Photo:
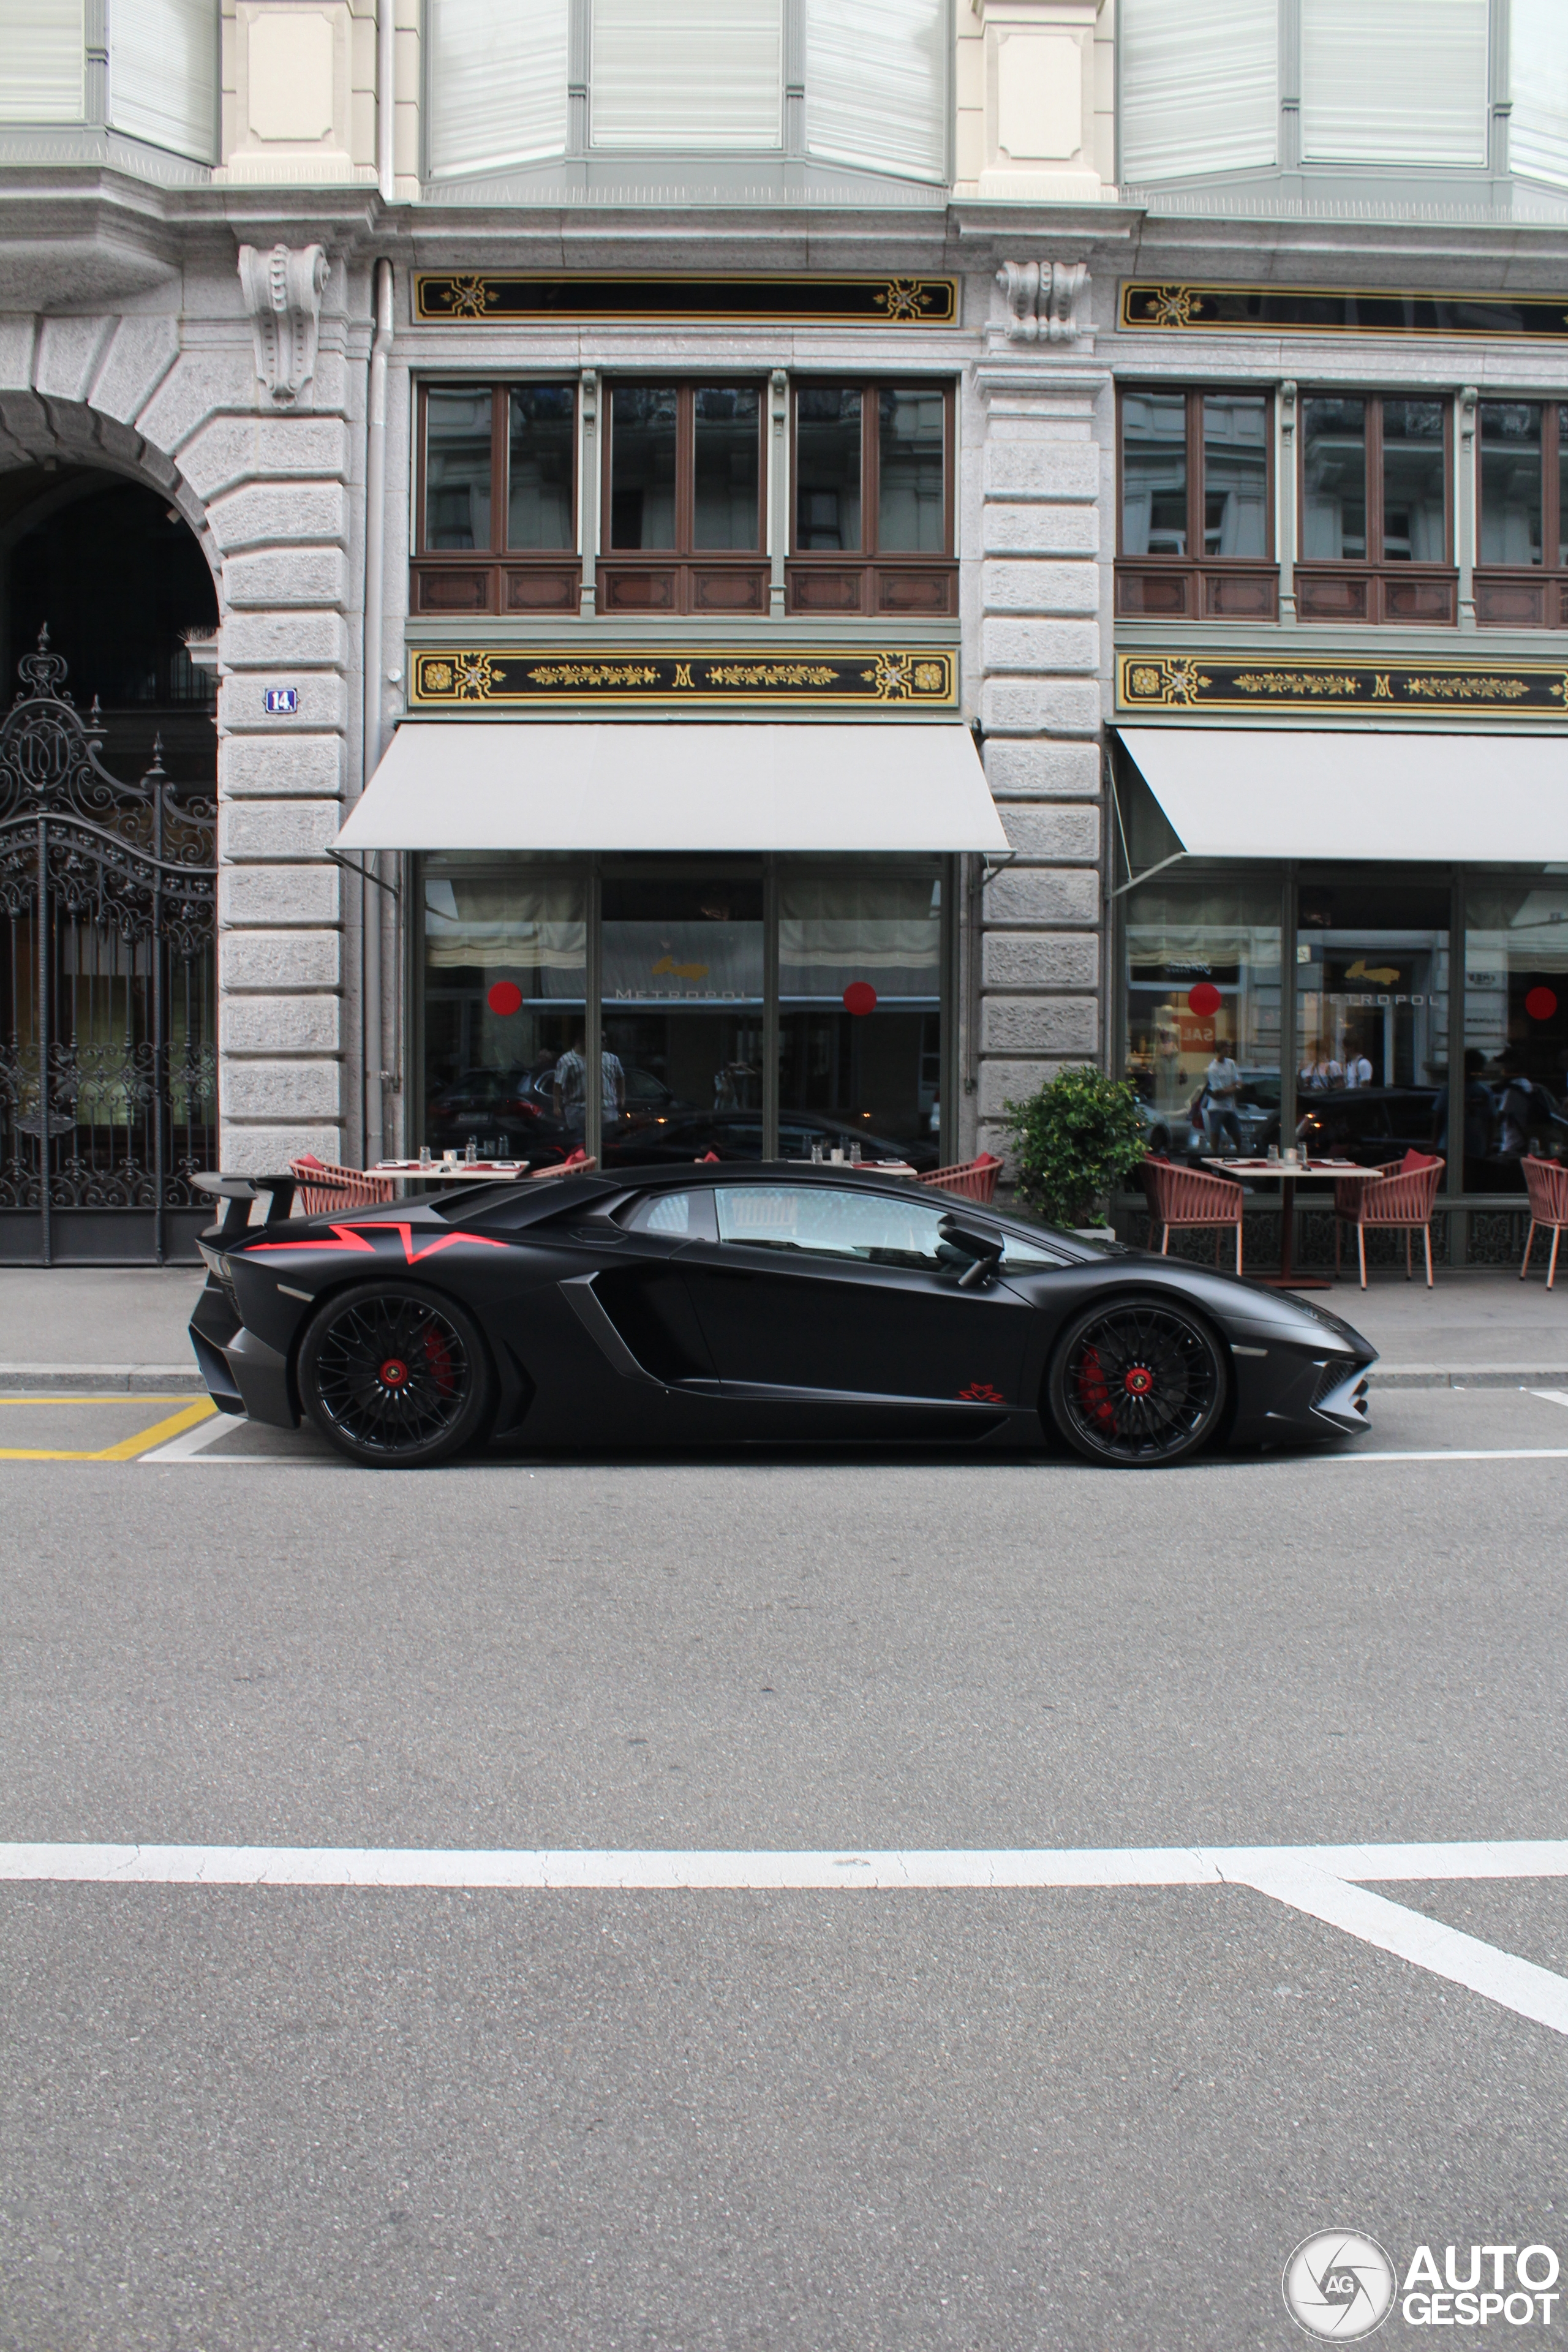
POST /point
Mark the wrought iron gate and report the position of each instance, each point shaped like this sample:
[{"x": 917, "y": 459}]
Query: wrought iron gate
[{"x": 108, "y": 993}]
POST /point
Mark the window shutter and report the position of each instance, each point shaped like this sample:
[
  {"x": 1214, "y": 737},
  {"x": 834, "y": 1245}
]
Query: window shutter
[
  {"x": 498, "y": 83},
  {"x": 1394, "y": 81},
  {"x": 1200, "y": 87},
  {"x": 162, "y": 74},
  {"x": 41, "y": 61},
  {"x": 875, "y": 84},
  {"x": 1538, "y": 72},
  {"x": 670, "y": 74}
]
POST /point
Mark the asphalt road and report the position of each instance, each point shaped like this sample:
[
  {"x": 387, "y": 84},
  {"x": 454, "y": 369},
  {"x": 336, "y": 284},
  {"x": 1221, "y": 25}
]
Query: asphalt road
[{"x": 342, "y": 2118}]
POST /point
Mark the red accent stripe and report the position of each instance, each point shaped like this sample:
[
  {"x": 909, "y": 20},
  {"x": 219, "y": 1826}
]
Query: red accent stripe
[{"x": 348, "y": 1238}]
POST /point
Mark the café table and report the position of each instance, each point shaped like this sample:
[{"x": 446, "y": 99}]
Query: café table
[
  {"x": 462, "y": 1172},
  {"x": 1287, "y": 1173}
]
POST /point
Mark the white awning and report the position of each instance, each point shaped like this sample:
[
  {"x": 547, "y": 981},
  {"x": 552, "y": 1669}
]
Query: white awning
[
  {"x": 1250, "y": 792},
  {"x": 878, "y": 786}
]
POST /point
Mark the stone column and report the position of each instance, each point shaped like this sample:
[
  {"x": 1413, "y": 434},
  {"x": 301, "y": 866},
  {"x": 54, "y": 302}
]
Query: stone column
[{"x": 1040, "y": 703}]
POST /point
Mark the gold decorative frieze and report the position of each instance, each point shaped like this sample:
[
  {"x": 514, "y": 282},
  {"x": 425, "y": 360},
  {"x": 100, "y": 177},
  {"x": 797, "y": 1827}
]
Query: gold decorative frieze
[
  {"x": 1190, "y": 682},
  {"x": 524, "y": 299},
  {"x": 497, "y": 676},
  {"x": 1340, "y": 311}
]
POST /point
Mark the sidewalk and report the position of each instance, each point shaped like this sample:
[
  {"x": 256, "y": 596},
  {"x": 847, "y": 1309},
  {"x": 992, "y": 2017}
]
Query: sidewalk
[{"x": 124, "y": 1327}]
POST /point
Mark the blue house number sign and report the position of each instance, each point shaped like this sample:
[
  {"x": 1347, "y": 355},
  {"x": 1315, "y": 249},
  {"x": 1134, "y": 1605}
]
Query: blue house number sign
[{"x": 281, "y": 698}]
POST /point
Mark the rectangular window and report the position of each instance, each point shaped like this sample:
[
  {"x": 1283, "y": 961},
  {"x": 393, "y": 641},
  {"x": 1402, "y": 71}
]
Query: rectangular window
[
  {"x": 876, "y": 85},
  {"x": 684, "y": 499},
  {"x": 1202, "y": 1043},
  {"x": 1196, "y": 505},
  {"x": 876, "y": 1072},
  {"x": 827, "y": 469},
  {"x": 457, "y": 459},
  {"x": 505, "y": 951},
  {"x": 669, "y": 75},
  {"x": 1516, "y": 1027},
  {"x": 1537, "y": 75},
  {"x": 498, "y": 502},
  {"x": 42, "y": 61},
  {"x": 1522, "y": 497},
  {"x": 162, "y": 74},
  {"x": 1375, "y": 530},
  {"x": 1394, "y": 81},
  {"x": 497, "y": 84},
  {"x": 1200, "y": 87},
  {"x": 873, "y": 483}
]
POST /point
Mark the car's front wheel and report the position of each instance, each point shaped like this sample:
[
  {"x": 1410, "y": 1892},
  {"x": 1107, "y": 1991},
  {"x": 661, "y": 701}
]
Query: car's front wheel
[
  {"x": 1138, "y": 1384},
  {"x": 393, "y": 1377}
]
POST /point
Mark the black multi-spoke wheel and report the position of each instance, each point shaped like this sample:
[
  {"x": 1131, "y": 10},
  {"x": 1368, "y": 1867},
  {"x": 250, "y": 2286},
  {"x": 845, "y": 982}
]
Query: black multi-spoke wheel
[
  {"x": 1137, "y": 1384},
  {"x": 392, "y": 1376}
]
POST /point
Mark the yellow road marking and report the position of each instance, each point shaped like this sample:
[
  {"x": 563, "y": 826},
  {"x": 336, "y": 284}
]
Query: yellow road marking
[{"x": 128, "y": 1448}]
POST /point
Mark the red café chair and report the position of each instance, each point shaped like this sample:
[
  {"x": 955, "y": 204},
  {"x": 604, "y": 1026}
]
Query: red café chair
[
  {"x": 971, "y": 1180},
  {"x": 1546, "y": 1181},
  {"x": 1189, "y": 1200},
  {"x": 320, "y": 1188},
  {"x": 1399, "y": 1196}
]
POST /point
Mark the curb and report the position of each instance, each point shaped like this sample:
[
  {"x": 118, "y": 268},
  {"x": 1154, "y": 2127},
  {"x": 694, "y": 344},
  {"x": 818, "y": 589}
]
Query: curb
[
  {"x": 137, "y": 1379},
  {"x": 102, "y": 1379},
  {"x": 1475, "y": 1376}
]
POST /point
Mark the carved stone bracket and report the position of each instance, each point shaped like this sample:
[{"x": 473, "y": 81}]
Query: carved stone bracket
[
  {"x": 283, "y": 294},
  {"x": 1047, "y": 301}
]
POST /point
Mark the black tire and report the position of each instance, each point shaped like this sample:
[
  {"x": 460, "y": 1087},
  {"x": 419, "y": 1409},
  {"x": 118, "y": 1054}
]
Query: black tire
[
  {"x": 1138, "y": 1384},
  {"x": 394, "y": 1376}
]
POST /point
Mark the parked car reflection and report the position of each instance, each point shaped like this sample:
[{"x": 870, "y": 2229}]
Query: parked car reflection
[{"x": 686, "y": 1134}]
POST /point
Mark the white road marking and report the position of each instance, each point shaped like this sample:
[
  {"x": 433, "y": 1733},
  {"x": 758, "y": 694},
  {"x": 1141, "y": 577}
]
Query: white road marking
[
  {"x": 1443, "y": 1951},
  {"x": 1456, "y": 1453},
  {"x": 1552, "y": 1396},
  {"x": 1319, "y": 1881},
  {"x": 192, "y": 1442}
]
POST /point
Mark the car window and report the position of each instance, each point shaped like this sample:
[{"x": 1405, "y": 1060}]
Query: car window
[
  {"x": 687, "y": 1214},
  {"x": 1023, "y": 1255},
  {"x": 815, "y": 1220}
]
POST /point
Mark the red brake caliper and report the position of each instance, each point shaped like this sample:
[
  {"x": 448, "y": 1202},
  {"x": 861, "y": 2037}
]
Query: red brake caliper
[
  {"x": 1092, "y": 1392},
  {"x": 438, "y": 1361}
]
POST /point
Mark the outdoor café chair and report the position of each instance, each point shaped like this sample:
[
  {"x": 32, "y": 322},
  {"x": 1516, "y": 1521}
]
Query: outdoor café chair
[
  {"x": 1189, "y": 1200},
  {"x": 971, "y": 1180},
  {"x": 1398, "y": 1196},
  {"x": 1546, "y": 1181},
  {"x": 319, "y": 1187}
]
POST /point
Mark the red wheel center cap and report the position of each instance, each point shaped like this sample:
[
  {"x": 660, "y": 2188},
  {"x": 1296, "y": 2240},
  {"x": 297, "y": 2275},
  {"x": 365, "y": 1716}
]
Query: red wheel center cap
[
  {"x": 1139, "y": 1381},
  {"x": 393, "y": 1373}
]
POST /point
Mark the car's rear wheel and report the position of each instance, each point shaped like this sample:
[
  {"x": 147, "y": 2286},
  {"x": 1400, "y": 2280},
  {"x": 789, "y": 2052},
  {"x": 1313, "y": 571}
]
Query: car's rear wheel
[
  {"x": 1138, "y": 1384},
  {"x": 393, "y": 1377}
]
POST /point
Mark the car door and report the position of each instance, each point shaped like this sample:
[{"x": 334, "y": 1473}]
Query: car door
[{"x": 840, "y": 1291}]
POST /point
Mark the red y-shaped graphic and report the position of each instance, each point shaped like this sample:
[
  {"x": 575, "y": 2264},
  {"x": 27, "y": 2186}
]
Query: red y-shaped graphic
[{"x": 349, "y": 1238}]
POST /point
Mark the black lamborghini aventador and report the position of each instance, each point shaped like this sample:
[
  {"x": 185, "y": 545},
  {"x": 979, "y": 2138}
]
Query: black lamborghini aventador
[{"x": 690, "y": 1306}]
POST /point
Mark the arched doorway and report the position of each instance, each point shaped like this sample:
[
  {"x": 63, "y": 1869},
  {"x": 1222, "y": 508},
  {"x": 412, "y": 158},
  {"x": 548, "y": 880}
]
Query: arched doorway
[{"x": 108, "y": 880}]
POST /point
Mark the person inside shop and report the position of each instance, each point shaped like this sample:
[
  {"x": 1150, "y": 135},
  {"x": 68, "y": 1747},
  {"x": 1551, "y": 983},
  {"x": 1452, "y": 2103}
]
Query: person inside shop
[
  {"x": 1358, "y": 1069},
  {"x": 1222, "y": 1092},
  {"x": 571, "y": 1088},
  {"x": 1319, "y": 1073}
]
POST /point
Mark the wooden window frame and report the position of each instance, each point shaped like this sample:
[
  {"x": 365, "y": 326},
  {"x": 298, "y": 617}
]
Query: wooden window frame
[
  {"x": 907, "y": 584},
  {"x": 1528, "y": 595},
  {"x": 684, "y": 578},
  {"x": 457, "y": 582},
  {"x": 1195, "y": 586},
  {"x": 1369, "y": 588}
]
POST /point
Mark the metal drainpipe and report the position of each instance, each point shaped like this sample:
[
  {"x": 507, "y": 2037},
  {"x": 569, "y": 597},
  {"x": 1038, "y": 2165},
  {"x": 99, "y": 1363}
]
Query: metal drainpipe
[{"x": 371, "y": 915}]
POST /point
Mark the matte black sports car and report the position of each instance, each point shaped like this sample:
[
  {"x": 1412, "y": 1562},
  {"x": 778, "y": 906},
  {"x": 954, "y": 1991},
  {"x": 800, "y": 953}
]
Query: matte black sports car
[{"x": 695, "y": 1306}]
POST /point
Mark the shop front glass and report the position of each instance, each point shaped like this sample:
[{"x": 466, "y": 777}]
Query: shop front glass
[
  {"x": 505, "y": 991},
  {"x": 1203, "y": 1014},
  {"x": 1516, "y": 1026},
  {"x": 681, "y": 1000},
  {"x": 1371, "y": 1019},
  {"x": 860, "y": 1013},
  {"x": 699, "y": 972}
]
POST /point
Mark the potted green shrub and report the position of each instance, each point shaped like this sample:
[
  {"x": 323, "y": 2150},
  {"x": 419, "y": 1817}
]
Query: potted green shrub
[{"x": 1073, "y": 1142}]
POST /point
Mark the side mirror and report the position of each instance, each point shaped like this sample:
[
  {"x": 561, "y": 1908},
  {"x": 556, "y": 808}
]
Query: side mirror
[{"x": 976, "y": 1248}]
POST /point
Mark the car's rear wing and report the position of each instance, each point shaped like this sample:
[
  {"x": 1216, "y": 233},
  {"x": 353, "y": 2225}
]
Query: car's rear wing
[{"x": 239, "y": 1195}]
